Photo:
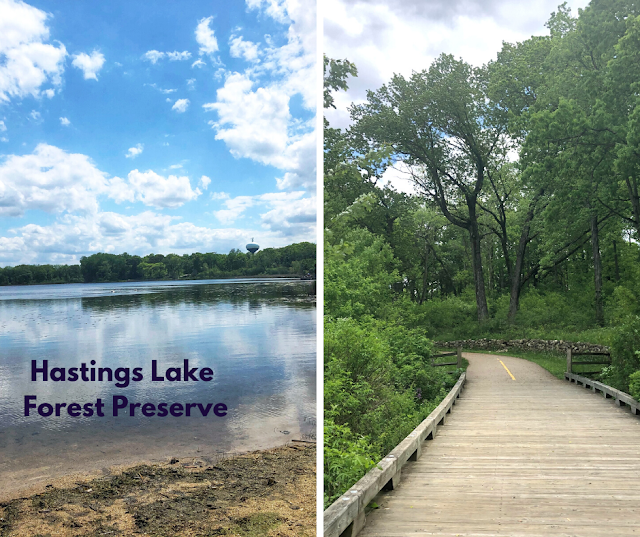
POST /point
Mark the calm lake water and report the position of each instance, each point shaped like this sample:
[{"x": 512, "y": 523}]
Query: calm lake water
[{"x": 258, "y": 337}]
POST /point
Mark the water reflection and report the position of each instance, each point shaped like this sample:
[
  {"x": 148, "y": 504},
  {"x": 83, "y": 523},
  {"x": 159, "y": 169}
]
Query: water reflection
[{"x": 257, "y": 336}]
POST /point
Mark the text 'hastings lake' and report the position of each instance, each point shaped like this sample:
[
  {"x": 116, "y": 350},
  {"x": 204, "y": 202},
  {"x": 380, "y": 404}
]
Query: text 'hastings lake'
[{"x": 122, "y": 376}]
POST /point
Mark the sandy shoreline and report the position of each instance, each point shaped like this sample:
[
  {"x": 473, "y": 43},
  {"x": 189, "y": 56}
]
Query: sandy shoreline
[
  {"x": 35, "y": 478},
  {"x": 271, "y": 491}
]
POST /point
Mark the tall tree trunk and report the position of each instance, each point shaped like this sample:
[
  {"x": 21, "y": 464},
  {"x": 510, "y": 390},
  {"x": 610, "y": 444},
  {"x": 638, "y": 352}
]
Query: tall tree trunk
[
  {"x": 425, "y": 274},
  {"x": 476, "y": 266},
  {"x": 490, "y": 270},
  {"x": 514, "y": 299},
  {"x": 516, "y": 275},
  {"x": 632, "y": 188},
  {"x": 617, "y": 264},
  {"x": 597, "y": 269}
]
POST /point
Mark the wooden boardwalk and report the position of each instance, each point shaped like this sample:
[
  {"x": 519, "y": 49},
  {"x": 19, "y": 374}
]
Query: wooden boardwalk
[{"x": 534, "y": 456}]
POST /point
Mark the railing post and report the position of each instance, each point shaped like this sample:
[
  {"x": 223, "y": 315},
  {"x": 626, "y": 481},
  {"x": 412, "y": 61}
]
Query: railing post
[
  {"x": 569, "y": 357},
  {"x": 459, "y": 351}
]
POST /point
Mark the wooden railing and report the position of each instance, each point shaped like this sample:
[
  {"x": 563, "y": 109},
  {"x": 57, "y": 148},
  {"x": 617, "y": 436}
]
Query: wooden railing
[
  {"x": 619, "y": 397},
  {"x": 457, "y": 363},
  {"x": 571, "y": 362},
  {"x": 346, "y": 516}
]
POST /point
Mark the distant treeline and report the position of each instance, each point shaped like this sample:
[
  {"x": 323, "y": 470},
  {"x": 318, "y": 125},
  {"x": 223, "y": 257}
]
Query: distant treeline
[{"x": 296, "y": 259}]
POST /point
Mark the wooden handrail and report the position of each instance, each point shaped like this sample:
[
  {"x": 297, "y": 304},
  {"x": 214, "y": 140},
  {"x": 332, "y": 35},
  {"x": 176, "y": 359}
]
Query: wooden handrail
[
  {"x": 457, "y": 363},
  {"x": 346, "y": 516},
  {"x": 620, "y": 398},
  {"x": 571, "y": 363}
]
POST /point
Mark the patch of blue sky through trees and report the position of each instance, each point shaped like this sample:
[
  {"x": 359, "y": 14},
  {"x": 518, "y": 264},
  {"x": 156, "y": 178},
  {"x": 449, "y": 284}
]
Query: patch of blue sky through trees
[{"x": 155, "y": 127}]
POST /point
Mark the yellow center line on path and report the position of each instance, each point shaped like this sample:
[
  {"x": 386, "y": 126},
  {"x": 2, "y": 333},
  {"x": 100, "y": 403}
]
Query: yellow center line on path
[{"x": 514, "y": 378}]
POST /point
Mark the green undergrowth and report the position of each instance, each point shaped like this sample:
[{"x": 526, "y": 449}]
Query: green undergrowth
[
  {"x": 379, "y": 383},
  {"x": 496, "y": 330}
]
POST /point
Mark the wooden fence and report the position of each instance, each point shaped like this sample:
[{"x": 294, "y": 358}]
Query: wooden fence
[
  {"x": 571, "y": 362},
  {"x": 457, "y": 363},
  {"x": 620, "y": 398}
]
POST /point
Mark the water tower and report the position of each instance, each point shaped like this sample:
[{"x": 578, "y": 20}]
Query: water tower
[{"x": 252, "y": 246}]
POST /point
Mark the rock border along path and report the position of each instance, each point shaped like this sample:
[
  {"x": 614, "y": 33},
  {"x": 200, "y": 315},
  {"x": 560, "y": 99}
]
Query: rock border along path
[{"x": 532, "y": 456}]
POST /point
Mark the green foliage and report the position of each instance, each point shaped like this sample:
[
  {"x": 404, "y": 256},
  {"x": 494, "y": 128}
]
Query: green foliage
[
  {"x": 298, "y": 259},
  {"x": 29, "y": 274},
  {"x": 625, "y": 352},
  {"x": 335, "y": 77},
  {"x": 379, "y": 383},
  {"x": 359, "y": 273},
  {"x": 634, "y": 385},
  {"x": 551, "y": 240},
  {"x": 346, "y": 459}
]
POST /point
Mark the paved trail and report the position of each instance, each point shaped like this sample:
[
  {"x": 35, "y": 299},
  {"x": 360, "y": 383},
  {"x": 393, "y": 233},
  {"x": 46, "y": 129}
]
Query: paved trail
[{"x": 534, "y": 456}]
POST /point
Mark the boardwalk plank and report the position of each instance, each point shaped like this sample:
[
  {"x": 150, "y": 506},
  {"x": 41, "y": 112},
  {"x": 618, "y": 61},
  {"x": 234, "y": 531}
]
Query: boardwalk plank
[{"x": 532, "y": 457}]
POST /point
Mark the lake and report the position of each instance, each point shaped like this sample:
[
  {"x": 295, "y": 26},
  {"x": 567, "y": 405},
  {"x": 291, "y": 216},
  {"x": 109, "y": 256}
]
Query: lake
[{"x": 258, "y": 338}]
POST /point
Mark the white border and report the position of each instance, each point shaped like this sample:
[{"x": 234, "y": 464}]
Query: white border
[{"x": 319, "y": 271}]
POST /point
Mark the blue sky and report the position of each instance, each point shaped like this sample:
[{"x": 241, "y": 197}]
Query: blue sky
[{"x": 155, "y": 127}]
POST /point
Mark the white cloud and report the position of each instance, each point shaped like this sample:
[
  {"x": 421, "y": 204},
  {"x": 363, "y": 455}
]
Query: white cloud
[
  {"x": 120, "y": 191},
  {"x": 175, "y": 166},
  {"x": 161, "y": 192},
  {"x": 239, "y": 48},
  {"x": 287, "y": 213},
  {"x": 205, "y": 37},
  {"x": 191, "y": 83},
  {"x": 198, "y": 63},
  {"x": 257, "y": 125},
  {"x": 153, "y": 56},
  {"x": 235, "y": 207},
  {"x": 178, "y": 56},
  {"x": 72, "y": 236},
  {"x": 398, "y": 177},
  {"x": 291, "y": 217},
  {"x": 27, "y": 62},
  {"x": 205, "y": 182},
  {"x": 252, "y": 123},
  {"x": 133, "y": 152},
  {"x": 219, "y": 196},
  {"x": 294, "y": 62},
  {"x": 49, "y": 93},
  {"x": 254, "y": 118},
  {"x": 161, "y": 90},
  {"x": 54, "y": 181},
  {"x": 3, "y": 127},
  {"x": 366, "y": 33},
  {"x": 90, "y": 65},
  {"x": 277, "y": 10},
  {"x": 181, "y": 105},
  {"x": 35, "y": 115},
  {"x": 64, "y": 121},
  {"x": 51, "y": 180}
]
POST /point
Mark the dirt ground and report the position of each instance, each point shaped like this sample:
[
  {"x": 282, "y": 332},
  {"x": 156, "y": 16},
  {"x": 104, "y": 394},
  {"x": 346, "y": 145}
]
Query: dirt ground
[{"x": 264, "y": 493}]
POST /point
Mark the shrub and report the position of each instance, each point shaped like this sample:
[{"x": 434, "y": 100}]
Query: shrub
[
  {"x": 625, "y": 352},
  {"x": 346, "y": 459}
]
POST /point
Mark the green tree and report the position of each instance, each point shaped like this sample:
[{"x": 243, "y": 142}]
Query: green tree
[{"x": 441, "y": 122}]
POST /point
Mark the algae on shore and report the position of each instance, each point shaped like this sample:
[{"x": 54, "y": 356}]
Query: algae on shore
[{"x": 269, "y": 492}]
